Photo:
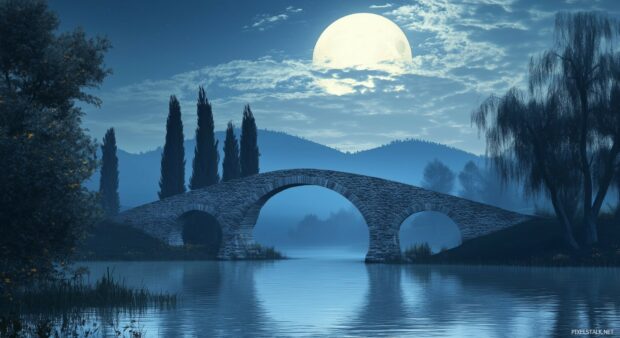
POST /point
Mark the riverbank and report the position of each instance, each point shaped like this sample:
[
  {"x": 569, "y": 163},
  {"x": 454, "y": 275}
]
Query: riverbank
[
  {"x": 72, "y": 307},
  {"x": 533, "y": 243},
  {"x": 116, "y": 242}
]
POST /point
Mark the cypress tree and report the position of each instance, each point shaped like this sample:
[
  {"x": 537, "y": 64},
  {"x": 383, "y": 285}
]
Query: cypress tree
[
  {"x": 206, "y": 157},
  {"x": 230, "y": 166},
  {"x": 108, "y": 181},
  {"x": 249, "y": 145},
  {"x": 172, "y": 179}
]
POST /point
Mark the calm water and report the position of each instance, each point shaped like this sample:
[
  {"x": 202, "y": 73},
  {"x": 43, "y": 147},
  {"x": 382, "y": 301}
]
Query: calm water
[{"x": 345, "y": 297}]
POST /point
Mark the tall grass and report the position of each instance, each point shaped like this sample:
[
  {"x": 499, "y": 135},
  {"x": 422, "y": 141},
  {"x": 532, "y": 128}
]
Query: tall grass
[
  {"x": 259, "y": 252},
  {"x": 66, "y": 308},
  {"x": 107, "y": 292},
  {"x": 417, "y": 252}
]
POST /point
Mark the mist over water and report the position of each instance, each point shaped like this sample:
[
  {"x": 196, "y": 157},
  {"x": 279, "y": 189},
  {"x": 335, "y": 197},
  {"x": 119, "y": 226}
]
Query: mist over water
[{"x": 314, "y": 222}]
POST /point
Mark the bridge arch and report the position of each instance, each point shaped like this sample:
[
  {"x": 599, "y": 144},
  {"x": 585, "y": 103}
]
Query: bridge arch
[
  {"x": 202, "y": 229},
  {"x": 277, "y": 186},
  {"x": 242, "y": 234}
]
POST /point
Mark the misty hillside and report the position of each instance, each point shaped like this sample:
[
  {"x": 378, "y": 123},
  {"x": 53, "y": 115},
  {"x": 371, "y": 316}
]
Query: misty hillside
[{"x": 402, "y": 161}]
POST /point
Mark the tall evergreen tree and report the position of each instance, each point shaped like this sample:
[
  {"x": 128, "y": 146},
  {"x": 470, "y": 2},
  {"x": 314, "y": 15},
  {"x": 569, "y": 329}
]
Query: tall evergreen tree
[
  {"x": 206, "y": 156},
  {"x": 230, "y": 166},
  {"x": 108, "y": 181},
  {"x": 249, "y": 153},
  {"x": 172, "y": 179}
]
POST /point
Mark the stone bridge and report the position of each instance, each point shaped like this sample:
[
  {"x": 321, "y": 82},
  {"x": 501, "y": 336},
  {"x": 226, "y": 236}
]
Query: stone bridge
[{"x": 384, "y": 205}]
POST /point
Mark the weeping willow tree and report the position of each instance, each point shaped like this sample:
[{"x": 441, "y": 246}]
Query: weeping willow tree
[
  {"x": 561, "y": 136},
  {"x": 527, "y": 146}
]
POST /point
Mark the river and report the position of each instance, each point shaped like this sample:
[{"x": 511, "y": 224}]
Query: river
[{"x": 326, "y": 296}]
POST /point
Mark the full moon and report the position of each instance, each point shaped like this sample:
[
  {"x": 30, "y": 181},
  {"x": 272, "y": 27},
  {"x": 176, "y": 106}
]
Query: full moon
[{"x": 362, "y": 41}]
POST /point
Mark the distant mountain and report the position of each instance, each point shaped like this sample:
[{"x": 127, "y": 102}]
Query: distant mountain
[{"x": 402, "y": 161}]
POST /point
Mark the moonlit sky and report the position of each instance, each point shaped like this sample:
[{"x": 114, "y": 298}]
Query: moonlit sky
[{"x": 260, "y": 52}]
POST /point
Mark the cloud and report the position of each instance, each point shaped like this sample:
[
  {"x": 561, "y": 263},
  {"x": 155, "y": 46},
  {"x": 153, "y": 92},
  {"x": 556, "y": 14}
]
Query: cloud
[
  {"x": 386, "y": 5},
  {"x": 355, "y": 110},
  {"x": 450, "y": 42},
  {"x": 265, "y": 21},
  {"x": 462, "y": 52}
]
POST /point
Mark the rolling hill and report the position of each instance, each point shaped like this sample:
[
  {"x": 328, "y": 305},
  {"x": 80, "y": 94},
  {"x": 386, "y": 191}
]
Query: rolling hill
[{"x": 402, "y": 161}]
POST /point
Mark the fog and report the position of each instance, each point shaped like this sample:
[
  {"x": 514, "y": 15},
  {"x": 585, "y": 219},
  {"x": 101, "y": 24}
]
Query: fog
[{"x": 319, "y": 220}]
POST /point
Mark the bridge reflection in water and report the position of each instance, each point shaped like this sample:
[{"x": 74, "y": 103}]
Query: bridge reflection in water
[{"x": 347, "y": 298}]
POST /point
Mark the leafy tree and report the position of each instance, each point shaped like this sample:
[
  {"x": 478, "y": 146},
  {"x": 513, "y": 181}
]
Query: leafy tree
[
  {"x": 472, "y": 181},
  {"x": 108, "y": 181},
  {"x": 562, "y": 137},
  {"x": 230, "y": 166},
  {"x": 172, "y": 180},
  {"x": 528, "y": 138},
  {"x": 438, "y": 177},
  {"x": 584, "y": 65},
  {"x": 206, "y": 156},
  {"x": 249, "y": 153},
  {"x": 46, "y": 154},
  {"x": 486, "y": 186}
]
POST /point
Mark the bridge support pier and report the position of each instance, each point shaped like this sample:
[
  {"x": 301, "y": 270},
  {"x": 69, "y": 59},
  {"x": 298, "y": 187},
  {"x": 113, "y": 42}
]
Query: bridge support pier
[
  {"x": 237, "y": 243},
  {"x": 383, "y": 246}
]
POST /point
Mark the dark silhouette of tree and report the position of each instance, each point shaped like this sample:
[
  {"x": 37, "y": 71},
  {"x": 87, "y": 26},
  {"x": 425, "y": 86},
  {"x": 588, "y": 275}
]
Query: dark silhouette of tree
[
  {"x": 472, "y": 181},
  {"x": 230, "y": 166},
  {"x": 562, "y": 136},
  {"x": 249, "y": 153},
  {"x": 438, "y": 177},
  {"x": 46, "y": 154},
  {"x": 108, "y": 181},
  {"x": 206, "y": 156},
  {"x": 484, "y": 185},
  {"x": 582, "y": 63},
  {"x": 528, "y": 142},
  {"x": 172, "y": 179},
  {"x": 618, "y": 191}
]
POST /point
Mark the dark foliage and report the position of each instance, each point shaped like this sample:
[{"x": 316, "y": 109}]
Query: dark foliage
[
  {"x": 538, "y": 242},
  {"x": 486, "y": 186},
  {"x": 172, "y": 179},
  {"x": 438, "y": 177},
  {"x": 561, "y": 138},
  {"x": 46, "y": 155},
  {"x": 112, "y": 241},
  {"x": 249, "y": 153},
  {"x": 206, "y": 156},
  {"x": 108, "y": 181},
  {"x": 231, "y": 166},
  {"x": 417, "y": 252}
]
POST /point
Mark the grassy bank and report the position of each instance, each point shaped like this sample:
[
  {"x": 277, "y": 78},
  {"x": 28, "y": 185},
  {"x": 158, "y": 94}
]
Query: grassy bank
[
  {"x": 73, "y": 308},
  {"x": 537, "y": 242},
  {"x": 116, "y": 242}
]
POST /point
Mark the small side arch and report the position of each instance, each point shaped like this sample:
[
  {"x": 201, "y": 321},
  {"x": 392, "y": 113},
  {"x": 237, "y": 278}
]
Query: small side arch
[
  {"x": 198, "y": 225},
  {"x": 440, "y": 216}
]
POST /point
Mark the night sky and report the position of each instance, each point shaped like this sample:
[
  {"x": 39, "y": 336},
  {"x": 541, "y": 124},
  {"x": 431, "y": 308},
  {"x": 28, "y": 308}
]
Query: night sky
[{"x": 260, "y": 52}]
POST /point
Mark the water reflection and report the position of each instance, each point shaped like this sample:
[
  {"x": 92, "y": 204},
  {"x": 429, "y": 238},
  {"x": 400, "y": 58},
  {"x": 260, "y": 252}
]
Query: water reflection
[{"x": 343, "y": 297}]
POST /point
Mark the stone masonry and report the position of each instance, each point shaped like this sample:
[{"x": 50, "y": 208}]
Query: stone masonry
[{"x": 384, "y": 205}]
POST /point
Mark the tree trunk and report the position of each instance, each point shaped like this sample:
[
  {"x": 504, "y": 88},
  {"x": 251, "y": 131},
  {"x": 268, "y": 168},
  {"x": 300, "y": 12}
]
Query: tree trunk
[
  {"x": 588, "y": 220},
  {"x": 565, "y": 222}
]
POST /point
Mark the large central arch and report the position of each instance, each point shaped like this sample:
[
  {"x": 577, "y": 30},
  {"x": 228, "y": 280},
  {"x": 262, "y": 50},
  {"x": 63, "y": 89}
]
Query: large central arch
[{"x": 252, "y": 211}]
